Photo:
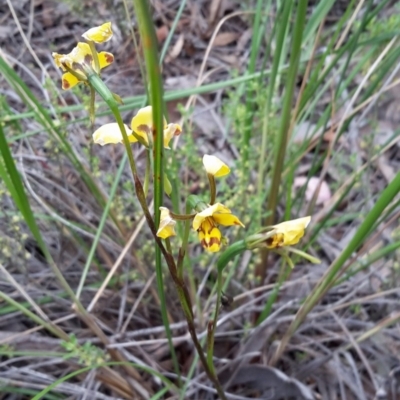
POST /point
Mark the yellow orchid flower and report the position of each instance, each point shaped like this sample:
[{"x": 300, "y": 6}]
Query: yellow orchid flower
[
  {"x": 141, "y": 124},
  {"x": 167, "y": 224},
  {"x": 206, "y": 224},
  {"x": 287, "y": 233},
  {"x": 210, "y": 236},
  {"x": 214, "y": 166},
  {"x": 99, "y": 34},
  {"x": 76, "y": 61},
  {"x": 170, "y": 131},
  {"x": 111, "y": 134}
]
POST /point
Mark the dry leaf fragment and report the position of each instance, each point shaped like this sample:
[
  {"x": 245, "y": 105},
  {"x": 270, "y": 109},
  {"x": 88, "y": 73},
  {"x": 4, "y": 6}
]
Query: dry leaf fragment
[
  {"x": 324, "y": 193},
  {"x": 225, "y": 38},
  {"x": 215, "y": 8},
  {"x": 176, "y": 50},
  {"x": 162, "y": 33}
]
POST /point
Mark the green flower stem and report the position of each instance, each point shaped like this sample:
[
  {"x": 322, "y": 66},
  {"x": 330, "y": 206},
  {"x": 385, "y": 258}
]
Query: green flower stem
[
  {"x": 230, "y": 253},
  {"x": 185, "y": 240},
  {"x": 78, "y": 74},
  {"x": 212, "y": 326},
  {"x": 185, "y": 301},
  {"x": 95, "y": 56},
  {"x": 147, "y": 173},
  {"x": 184, "y": 296},
  {"x": 286, "y": 257},
  {"x": 92, "y": 112},
  {"x": 181, "y": 257},
  {"x": 213, "y": 188},
  {"x": 210, "y": 342},
  {"x": 187, "y": 309},
  {"x": 303, "y": 254},
  {"x": 258, "y": 240},
  {"x": 168, "y": 245},
  {"x": 141, "y": 140},
  {"x": 182, "y": 217},
  {"x": 196, "y": 203}
]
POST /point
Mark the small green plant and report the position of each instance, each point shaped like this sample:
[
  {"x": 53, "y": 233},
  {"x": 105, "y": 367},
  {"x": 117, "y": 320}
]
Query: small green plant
[{"x": 87, "y": 354}]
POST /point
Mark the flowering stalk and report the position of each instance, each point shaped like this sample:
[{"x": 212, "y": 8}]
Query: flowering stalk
[
  {"x": 179, "y": 283},
  {"x": 213, "y": 188},
  {"x": 215, "y": 168},
  {"x": 177, "y": 278},
  {"x": 150, "y": 128},
  {"x": 303, "y": 254},
  {"x": 92, "y": 111},
  {"x": 104, "y": 136},
  {"x": 147, "y": 173},
  {"x": 83, "y": 64},
  {"x": 185, "y": 241}
]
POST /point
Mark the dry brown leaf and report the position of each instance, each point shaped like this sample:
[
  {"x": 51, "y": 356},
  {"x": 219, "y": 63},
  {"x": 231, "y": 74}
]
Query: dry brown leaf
[
  {"x": 324, "y": 193},
  {"x": 162, "y": 33},
  {"x": 215, "y": 7},
  {"x": 176, "y": 50},
  {"x": 230, "y": 59},
  {"x": 225, "y": 38}
]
